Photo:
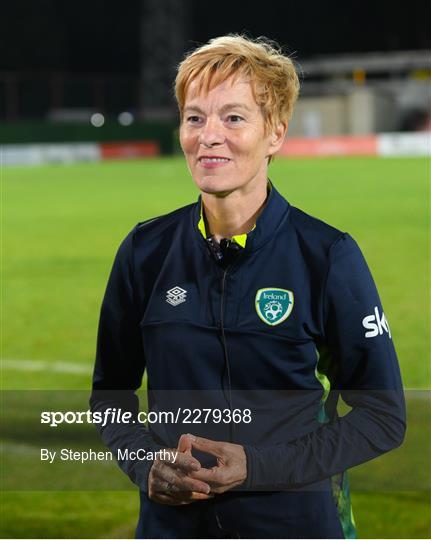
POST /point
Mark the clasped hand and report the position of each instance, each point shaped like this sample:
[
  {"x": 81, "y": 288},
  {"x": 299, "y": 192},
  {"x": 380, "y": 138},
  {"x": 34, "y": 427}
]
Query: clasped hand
[{"x": 186, "y": 481}]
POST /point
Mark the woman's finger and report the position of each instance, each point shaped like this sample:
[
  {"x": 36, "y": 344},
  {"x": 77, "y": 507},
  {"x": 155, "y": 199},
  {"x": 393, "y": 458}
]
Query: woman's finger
[{"x": 178, "y": 479}]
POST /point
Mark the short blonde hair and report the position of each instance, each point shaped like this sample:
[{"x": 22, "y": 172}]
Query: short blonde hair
[{"x": 272, "y": 74}]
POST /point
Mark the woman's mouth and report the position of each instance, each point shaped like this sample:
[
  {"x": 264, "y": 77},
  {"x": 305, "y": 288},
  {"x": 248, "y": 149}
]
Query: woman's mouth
[{"x": 209, "y": 162}]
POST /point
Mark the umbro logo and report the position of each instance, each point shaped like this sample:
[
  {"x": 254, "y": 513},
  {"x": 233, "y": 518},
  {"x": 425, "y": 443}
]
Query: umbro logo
[{"x": 176, "y": 296}]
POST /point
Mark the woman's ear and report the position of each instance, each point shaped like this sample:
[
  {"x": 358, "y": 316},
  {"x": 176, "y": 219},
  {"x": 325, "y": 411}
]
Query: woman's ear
[{"x": 277, "y": 137}]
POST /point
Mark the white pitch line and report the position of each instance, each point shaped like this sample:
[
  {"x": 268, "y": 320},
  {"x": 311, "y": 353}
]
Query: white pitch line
[
  {"x": 60, "y": 366},
  {"x": 46, "y": 365},
  {"x": 19, "y": 448}
]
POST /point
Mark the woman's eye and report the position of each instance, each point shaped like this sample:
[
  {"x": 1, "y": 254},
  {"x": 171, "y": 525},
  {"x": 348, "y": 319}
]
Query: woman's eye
[
  {"x": 235, "y": 118},
  {"x": 193, "y": 119}
]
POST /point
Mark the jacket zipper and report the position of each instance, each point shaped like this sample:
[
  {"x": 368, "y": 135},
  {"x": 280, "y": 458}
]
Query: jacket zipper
[{"x": 225, "y": 351}]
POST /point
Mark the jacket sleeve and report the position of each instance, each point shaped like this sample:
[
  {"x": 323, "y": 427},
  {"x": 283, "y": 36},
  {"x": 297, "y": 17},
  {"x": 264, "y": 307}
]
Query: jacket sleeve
[
  {"x": 119, "y": 366},
  {"x": 359, "y": 339}
]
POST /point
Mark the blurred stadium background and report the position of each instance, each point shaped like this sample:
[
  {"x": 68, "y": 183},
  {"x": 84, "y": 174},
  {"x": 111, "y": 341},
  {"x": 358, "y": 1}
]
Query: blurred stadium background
[{"x": 88, "y": 134}]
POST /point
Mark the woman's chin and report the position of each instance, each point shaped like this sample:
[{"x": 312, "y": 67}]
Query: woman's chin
[{"x": 213, "y": 186}]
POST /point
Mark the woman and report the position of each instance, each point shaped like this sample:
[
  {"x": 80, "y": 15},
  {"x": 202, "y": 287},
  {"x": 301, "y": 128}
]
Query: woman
[{"x": 242, "y": 304}]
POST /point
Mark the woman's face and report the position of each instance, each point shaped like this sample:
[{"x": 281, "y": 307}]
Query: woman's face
[{"x": 223, "y": 138}]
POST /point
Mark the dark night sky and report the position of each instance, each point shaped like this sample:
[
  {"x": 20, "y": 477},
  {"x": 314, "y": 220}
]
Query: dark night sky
[{"x": 103, "y": 35}]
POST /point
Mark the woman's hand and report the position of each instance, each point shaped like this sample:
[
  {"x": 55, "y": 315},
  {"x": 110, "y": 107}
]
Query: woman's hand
[
  {"x": 171, "y": 483},
  {"x": 231, "y": 468}
]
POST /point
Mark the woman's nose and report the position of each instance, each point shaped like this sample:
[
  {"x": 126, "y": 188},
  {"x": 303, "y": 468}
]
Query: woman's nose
[{"x": 211, "y": 133}]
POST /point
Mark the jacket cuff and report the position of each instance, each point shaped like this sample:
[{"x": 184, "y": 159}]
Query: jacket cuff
[
  {"x": 140, "y": 475},
  {"x": 141, "y": 470},
  {"x": 269, "y": 468},
  {"x": 250, "y": 454}
]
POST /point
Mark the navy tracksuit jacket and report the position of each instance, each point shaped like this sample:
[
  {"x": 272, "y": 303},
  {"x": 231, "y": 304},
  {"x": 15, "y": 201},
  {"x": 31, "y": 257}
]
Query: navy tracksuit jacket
[{"x": 281, "y": 327}]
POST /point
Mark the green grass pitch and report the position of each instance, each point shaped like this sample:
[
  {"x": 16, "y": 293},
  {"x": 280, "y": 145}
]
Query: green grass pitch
[{"x": 61, "y": 226}]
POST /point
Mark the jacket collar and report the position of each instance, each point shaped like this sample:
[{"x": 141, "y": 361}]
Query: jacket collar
[
  {"x": 240, "y": 239},
  {"x": 269, "y": 221}
]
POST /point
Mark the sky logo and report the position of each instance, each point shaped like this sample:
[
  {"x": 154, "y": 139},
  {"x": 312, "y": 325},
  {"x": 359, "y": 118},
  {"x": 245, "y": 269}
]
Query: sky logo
[{"x": 376, "y": 324}]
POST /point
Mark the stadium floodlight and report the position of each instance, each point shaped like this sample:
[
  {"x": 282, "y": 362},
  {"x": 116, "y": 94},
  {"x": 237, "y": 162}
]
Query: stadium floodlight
[
  {"x": 126, "y": 118},
  {"x": 97, "y": 119}
]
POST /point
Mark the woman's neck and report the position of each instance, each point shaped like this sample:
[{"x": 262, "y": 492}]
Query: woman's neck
[{"x": 233, "y": 214}]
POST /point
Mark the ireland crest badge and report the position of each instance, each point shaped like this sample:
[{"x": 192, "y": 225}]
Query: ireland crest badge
[{"x": 274, "y": 305}]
